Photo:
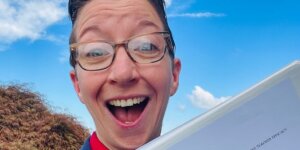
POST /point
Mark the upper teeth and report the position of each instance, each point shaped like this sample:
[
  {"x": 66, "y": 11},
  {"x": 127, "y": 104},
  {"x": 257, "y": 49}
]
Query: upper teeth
[{"x": 127, "y": 102}]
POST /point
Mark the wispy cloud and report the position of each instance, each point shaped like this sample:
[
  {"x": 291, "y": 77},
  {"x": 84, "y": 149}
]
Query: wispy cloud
[
  {"x": 28, "y": 18},
  {"x": 181, "y": 107},
  {"x": 64, "y": 56},
  {"x": 204, "y": 99},
  {"x": 58, "y": 39},
  {"x": 3, "y": 47},
  {"x": 177, "y": 6},
  {"x": 181, "y": 9},
  {"x": 168, "y": 2},
  {"x": 197, "y": 15}
]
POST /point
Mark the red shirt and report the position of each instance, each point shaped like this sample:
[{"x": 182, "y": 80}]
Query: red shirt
[{"x": 96, "y": 143}]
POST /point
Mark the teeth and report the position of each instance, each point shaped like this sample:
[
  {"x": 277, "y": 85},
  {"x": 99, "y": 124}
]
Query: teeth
[
  {"x": 127, "y": 102},
  {"x": 127, "y": 122}
]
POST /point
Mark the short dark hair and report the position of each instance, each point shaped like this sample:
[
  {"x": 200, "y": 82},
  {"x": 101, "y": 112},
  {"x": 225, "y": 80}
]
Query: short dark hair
[{"x": 74, "y": 7}]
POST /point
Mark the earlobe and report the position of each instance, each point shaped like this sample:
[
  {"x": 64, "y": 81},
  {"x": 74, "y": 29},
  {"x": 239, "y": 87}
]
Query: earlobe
[
  {"x": 175, "y": 76},
  {"x": 76, "y": 84}
]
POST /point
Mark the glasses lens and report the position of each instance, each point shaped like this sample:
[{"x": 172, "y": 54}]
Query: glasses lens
[
  {"x": 147, "y": 48},
  {"x": 95, "y": 56}
]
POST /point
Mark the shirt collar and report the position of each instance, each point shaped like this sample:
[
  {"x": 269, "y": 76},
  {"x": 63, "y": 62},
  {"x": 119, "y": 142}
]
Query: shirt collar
[{"x": 96, "y": 144}]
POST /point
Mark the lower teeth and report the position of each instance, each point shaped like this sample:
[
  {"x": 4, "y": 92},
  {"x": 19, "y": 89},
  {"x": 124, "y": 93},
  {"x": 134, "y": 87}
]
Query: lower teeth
[{"x": 127, "y": 122}]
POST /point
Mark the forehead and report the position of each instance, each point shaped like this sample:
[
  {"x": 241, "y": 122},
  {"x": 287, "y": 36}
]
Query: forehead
[{"x": 98, "y": 13}]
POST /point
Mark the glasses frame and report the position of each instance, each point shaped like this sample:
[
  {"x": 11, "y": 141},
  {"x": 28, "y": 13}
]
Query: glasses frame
[{"x": 168, "y": 45}]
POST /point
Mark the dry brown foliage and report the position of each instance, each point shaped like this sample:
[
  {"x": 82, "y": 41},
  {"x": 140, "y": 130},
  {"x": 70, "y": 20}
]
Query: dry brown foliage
[{"x": 27, "y": 124}]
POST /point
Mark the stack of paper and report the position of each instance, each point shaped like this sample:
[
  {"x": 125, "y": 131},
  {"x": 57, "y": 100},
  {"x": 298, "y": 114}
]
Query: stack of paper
[{"x": 265, "y": 117}]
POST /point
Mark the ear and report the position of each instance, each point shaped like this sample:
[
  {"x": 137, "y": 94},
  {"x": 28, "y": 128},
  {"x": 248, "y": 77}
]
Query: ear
[
  {"x": 175, "y": 76},
  {"x": 76, "y": 84}
]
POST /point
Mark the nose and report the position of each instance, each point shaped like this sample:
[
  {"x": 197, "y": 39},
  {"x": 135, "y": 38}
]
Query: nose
[{"x": 123, "y": 70}]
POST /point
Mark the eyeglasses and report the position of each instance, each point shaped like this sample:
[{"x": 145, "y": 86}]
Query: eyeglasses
[{"x": 144, "y": 49}]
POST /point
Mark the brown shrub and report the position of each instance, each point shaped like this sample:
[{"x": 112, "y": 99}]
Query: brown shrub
[{"x": 27, "y": 124}]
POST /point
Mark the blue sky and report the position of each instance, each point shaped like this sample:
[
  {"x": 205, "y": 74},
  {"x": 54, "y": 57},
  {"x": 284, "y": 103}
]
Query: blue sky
[{"x": 225, "y": 48}]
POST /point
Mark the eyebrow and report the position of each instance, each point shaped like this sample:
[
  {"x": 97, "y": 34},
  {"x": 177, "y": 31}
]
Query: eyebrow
[
  {"x": 143, "y": 23},
  {"x": 93, "y": 28},
  {"x": 147, "y": 23}
]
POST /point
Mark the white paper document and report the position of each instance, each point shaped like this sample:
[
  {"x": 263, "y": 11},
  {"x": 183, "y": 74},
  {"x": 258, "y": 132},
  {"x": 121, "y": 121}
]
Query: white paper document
[{"x": 265, "y": 117}]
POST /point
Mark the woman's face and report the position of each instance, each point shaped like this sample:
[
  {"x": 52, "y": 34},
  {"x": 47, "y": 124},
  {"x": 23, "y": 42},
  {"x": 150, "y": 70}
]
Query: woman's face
[{"x": 143, "y": 88}]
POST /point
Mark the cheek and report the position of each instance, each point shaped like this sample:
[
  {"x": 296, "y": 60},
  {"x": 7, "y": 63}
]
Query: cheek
[
  {"x": 90, "y": 83},
  {"x": 159, "y": 77}
]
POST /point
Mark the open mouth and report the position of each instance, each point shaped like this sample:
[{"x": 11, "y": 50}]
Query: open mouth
[{"x": 129, "y": 110}]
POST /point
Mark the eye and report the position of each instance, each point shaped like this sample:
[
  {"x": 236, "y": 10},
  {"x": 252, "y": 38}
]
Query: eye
[
  {"x": 96, "y": 53},
  {"x": 145, "y": 47},
  {"x": 148, "y": 47}
]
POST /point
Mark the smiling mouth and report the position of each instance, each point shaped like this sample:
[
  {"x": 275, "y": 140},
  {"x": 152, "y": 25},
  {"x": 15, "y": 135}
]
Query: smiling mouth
[{"x": 129, "y": 110}]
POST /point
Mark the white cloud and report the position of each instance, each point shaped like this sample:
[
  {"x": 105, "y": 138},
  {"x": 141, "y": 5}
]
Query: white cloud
[
  {"x": 168, "y": 2},
  {"x": 3, "y": 47},
  {"x": 28, "y": 18},
  {"x": 181, "y": 107},
  {"x": 64, "y": 56},
  {"x": 58, "y": 39},
  {"x": 198, "y": 15},
  {"x": 204, "y": 99}
]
